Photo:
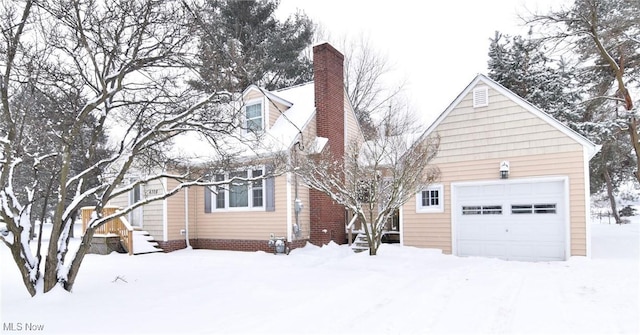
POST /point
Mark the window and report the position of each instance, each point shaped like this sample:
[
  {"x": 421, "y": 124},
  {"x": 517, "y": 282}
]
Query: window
[
  {"x": 239, "y": 193},
  {"x": 253, "y": 114},
  {"x": 221, "y": 196},
  {"x": 533, "y": 209},
  {"x": 257, "y": 189},
  {"x": 430, "y": 199},
  {"x": 238, "y": 190},
  {"x": 136, "y": 196},
  {"x": 481, "y": 210}
]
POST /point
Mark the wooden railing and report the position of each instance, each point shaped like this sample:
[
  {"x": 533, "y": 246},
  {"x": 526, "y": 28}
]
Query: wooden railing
[{"x": 118, "y": 226}]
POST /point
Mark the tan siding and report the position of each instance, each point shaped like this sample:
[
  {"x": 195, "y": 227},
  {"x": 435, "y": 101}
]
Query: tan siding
[
  {"x": 175, "y": 213},
  {"x": 250, "y": 225},
  {"x": 354, "y": 134},
  {"x": 275, "y": 110},
  {"x": 490, "y": 132},
  {"x": 152, "y": 213},
  {"x": 120, "y": 201},
  {"x": 305, "y": 216},
  {"x": 309, "y": 133},
  {"x": 475, "y": 141}
]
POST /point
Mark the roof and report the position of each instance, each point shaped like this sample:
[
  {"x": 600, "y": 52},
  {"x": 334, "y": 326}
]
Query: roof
[
  {"x": 285, "y": 132},
  {"x": 590, "y": 147},
  {"x": 386, "y": 150}
]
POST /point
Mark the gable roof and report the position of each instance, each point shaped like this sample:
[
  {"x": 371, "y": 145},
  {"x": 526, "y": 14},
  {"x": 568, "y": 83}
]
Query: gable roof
[
  {"x": 590, "y": 147},
  {"x": 299, "y": 102}
]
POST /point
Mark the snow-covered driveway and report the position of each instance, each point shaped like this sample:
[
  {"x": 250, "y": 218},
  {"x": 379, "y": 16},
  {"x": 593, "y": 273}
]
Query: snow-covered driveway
[{"x": 331, "y": 290}]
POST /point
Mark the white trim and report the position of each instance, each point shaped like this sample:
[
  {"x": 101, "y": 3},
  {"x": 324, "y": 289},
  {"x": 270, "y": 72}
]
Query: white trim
[
  {"x": 587, "y": 202},
  {"x": 567, "y": 218},
  {"x": 136, "y": 216},
  {"x": 453, "y": 216},
  {"x": 566, "y": 209},
  {"x": 186, "y": 216},
  {"x": 431, "y": 209},
  {"x": 271, "y": 95},
  {"x": 165, "y": 211},
  {"x": 401, "y": 224},
  {"x": 264, "y": 110},
  {"x": 227, "y": 198},
  {"x": 289, "y": 209}
]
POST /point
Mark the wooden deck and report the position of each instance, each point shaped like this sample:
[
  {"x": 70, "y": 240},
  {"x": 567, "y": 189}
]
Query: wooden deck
[{"x": 119, "y": 226}]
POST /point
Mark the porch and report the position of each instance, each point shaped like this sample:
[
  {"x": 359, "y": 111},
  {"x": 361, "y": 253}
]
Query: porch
[{"x": 117, "y": 234}]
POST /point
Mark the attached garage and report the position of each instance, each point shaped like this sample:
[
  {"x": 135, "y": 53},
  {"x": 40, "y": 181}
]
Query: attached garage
[
  {"x": 523, "y": 219},
  {"x": 514, "y": 182}
]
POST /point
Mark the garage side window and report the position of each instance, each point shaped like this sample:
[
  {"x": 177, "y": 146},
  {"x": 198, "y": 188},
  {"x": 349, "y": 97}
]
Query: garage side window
[
  {"x": 430, "y": 199},
  {"x": 533, "y": 209}
]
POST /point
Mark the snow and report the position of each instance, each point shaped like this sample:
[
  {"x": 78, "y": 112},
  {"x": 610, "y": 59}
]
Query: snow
[
  {"x": 331, "y": 290},
  {"x": 142, "y": 242},
  {"x": 281, "y": 136}
]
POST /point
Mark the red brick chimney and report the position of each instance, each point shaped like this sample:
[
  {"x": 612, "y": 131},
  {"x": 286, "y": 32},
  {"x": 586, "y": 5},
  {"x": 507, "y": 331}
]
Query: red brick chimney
[{"x": 327, "y": 217}]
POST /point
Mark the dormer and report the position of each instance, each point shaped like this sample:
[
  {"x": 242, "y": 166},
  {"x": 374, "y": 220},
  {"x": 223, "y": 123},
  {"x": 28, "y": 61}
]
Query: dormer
[{"x": 261, "y": 109}]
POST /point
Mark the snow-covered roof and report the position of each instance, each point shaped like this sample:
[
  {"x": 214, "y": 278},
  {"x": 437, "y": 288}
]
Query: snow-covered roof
[
  {"x": 284, "y": 133},
  {"x": 387, "y": 150}
]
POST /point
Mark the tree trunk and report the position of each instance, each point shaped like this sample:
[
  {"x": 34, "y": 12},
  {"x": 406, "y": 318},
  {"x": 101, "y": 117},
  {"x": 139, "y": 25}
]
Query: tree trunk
[
  {"x": 23, "y": 266},
  {"x": 635, "y": 141},
  {"x": 612, "y": 199},
  {"x": 85, "y": 244}
]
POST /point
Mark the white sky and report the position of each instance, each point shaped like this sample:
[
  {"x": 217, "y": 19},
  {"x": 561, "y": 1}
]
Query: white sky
[{"x": 438, "y": 46}]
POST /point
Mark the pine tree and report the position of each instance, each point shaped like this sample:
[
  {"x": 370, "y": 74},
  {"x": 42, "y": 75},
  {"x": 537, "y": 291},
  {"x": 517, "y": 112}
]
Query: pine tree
[
  {"x": 243, "y": 43},
  {"x": 521, "y": 65},
  {"x": 566, "y": 93},
  {"x": 604, "y": 37}
]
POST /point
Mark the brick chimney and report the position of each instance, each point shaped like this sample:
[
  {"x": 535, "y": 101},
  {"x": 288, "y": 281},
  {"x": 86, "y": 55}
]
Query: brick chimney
[{"x": 327, "y": 217}]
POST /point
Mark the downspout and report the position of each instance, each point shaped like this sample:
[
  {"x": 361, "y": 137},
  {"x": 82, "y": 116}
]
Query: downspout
[
  {"x": 186, "y": 217},
  {"x": 289, "y": 228},
  {"x": 289, "y": 202},
  {"x": 297, "y": 202}
]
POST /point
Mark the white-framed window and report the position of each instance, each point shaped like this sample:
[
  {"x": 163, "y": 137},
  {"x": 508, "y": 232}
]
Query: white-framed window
[
  {"x": 430, "y": 199},
  {"x": 239, "y": 194},
  {"x": 482, "y": 210},
  {"x": 534, "y": 209},
  {"x": 254, "y": 116}
]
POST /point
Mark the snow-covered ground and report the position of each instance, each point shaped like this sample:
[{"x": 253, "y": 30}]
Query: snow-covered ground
[{"x": 331, "y": 290}]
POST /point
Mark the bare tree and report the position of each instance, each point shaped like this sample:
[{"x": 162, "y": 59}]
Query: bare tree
[
  {"x": 127, "y": 63},
  {"x": 375, "y": 178},
  {"x": 369, "y": 79},
  {"x": 605, "y": 36}
]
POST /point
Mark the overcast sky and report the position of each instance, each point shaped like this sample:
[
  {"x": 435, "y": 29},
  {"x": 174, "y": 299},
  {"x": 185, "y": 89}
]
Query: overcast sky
[{"x": 438, "y": 46}]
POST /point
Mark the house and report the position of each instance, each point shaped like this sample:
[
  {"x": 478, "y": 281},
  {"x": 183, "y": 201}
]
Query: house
[
  {"x": 246, "y": 216},
  {"x": 514, "y": 182}
]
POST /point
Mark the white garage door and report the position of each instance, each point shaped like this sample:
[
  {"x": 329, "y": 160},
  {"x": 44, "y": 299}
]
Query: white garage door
[{"x": 514, "y": 220}]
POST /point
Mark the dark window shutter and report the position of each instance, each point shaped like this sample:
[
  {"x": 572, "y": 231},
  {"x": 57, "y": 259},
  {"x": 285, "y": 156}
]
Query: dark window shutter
[
  {"x": 207, "y": 199},
  {"x": 270, "y": 191}
]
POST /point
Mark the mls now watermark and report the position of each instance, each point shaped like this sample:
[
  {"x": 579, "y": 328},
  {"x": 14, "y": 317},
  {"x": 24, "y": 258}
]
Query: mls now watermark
[{"x": 22, "y": 327}]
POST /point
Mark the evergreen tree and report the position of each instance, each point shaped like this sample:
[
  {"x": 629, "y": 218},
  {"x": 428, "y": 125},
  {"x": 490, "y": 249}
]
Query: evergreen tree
[
  {"x": 243, "y": 43},
  {"x": 566, "y": 93},
  {"x": 521, "y": 65},
  {"x": 604, "y": 37}
]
